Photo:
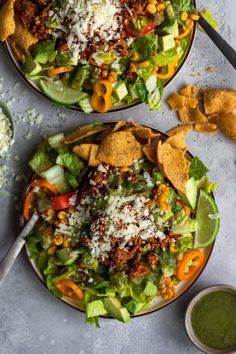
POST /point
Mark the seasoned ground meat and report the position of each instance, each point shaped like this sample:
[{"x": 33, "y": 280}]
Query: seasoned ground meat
[{"x": 138, "y": 269}]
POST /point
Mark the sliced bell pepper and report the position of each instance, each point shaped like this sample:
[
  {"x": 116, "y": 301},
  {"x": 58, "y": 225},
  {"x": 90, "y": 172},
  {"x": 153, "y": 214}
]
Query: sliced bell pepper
[
  {"x": 70, "y": 289},
  {"x": 42, "y": 183},
  {"x": 131, "y": 32},
  {"x": 190, "y": 264},
  {"x": 60, "y": 70},
  {"x": 171, "y": 70},
  {"x": 184, "y": 34},
  {"x": 27, "y": 205},
  {"x": 64, "y": 201}
]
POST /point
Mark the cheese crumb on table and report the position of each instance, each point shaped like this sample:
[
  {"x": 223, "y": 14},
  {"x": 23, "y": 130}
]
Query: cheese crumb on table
[{"x": 6, "y": 134}]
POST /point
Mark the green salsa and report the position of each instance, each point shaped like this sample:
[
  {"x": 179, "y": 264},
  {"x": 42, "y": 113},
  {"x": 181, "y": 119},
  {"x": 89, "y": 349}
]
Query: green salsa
[{"x": 214, "y": 319}]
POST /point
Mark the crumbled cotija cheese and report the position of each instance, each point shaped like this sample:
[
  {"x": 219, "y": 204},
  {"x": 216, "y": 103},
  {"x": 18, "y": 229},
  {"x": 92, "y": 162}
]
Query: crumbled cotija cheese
[
  {"x": 99, "y": 20},
  {"x": 5, "y": 133}
]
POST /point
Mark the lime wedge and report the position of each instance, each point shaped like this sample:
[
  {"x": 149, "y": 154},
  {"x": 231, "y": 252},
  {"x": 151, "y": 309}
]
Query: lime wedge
[
  {"x": 60, "y": 93},
  {"x": 208, "y": 221}
]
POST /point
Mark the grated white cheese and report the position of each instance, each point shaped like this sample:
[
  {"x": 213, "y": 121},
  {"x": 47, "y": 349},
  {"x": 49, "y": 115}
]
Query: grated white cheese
[
  {"x": 99, "y": 20},
  {"x": 6, "y": 139}
]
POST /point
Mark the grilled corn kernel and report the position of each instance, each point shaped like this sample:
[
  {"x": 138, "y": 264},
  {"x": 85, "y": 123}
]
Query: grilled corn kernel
[
  {"x": 61, "y": 215},
  {"x": 183, "y": 15},
  {"x": 178, "y": 202},
  {"x": 112, "y": 77},
  {"x": 65, "y": 243},
  {"x": 50, "y": 212},
  {"x": 194, "y": 17},
  {"x": 152, "y": 1},
  {"x": 58, "y": 240},
  {"x": 177, "y": 43},
  {"x": 172, "y": 247},
  {"x": 161, "y": 187},
  {"x": 104, "y": 74},
  {"x": 124, "y": 169},
  {"x": 51, "y": 250},
  {"x": 160, "y": 7},
  {"x": 151, "y": 8},
  {"x": 133, "y": 68},
  {"x": 189, "y": 23},
  {"x": 134, "y": 56},
  {"x": 144, "y": 64}
]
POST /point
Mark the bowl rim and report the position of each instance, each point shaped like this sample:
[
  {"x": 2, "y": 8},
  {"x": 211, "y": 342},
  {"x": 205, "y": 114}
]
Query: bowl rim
[
  {"x": 188, "y": 324},
  {"x": 36, "y": 271},
  {"x": 36, "y": 89}
]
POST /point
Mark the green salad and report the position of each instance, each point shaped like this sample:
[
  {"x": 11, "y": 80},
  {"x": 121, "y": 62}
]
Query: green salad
[
  {"x": 100, "y": 55},
  {"x": 113, "y": 238}
]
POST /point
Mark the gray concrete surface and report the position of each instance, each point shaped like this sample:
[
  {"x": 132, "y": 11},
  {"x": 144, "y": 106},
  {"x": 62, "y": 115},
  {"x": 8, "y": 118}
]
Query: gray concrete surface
[{"x": 34, "y": 322}]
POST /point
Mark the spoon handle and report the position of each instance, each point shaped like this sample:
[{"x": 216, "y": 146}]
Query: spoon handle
[
  {"x": 223, "y": 46},
  {"x": 9, "y": 259}
]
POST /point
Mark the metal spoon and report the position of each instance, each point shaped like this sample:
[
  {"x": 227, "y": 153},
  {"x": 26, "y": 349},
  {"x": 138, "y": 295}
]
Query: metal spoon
[
  {"x": 9, "y": 259},
  {"x": 222, "y": 45}
]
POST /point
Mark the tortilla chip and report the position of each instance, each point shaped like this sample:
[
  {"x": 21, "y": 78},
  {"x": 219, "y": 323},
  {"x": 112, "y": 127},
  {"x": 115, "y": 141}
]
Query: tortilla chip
[
  {"x": 22, "y": 36},
  {"x": 180, "y": 128},
  {"x": 82, "y": 150},
  {"x": 206, "y": 128},
  {"x": 150, "y": 153},
  {"x": 17, "y": 50},
  {"x": 176, "y": 101},
  {"x": 93, "y": 161},
  {"x": 174, "y": 165},
  {"x": 177, "y": 141},
  {"x": 191, "y": 115},
  {"x": 120, "y": 149},
  {"x": 227, "y": 124},
  {"x": 145, "y": 133},
  {"x": 216, "y": 101},
  {"x": 186, "y": 91},
  {"x": 213, "y": 118},
  {"x": 84, "y": 132},
  {"x": 7, "y": 22},
  {"x": 119, "y": 125}
]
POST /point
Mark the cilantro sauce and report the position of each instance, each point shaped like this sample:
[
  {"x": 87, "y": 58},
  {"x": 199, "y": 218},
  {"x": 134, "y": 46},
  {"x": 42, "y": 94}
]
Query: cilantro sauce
[{"x": 214, "y": 319}]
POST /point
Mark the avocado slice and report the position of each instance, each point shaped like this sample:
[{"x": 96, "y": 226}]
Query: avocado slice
[
  {"x": 31, "y": 67},
  {"x": 120, "y": 90},
  {"x": 172, "y": 28},
  {"x": 116, "y": 310},
  {"x": 167, "y": 42},
  {"x": 189, "y": 195}
]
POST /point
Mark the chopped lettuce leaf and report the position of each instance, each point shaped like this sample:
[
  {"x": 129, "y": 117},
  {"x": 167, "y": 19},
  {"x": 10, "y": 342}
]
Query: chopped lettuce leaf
[
  {"x": 165, "y": 58},
  {"x": 95, "y": 308},
  {"x": 74, "y": 164},
  {"x": 40, "y": 162},
  {"x": 146, "y": 46},
  {"x": 190, "y": 225},
  {"x": 197, "y": 169},
  {"x": 81, "y": 75},
  {"x": 150, "y": 289},
  {"x": 141, "y": 88},
  {"x": 185, "y": 242},
  {"x": 183, "y": 5},
  {"x": 134, "y": 307}
]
